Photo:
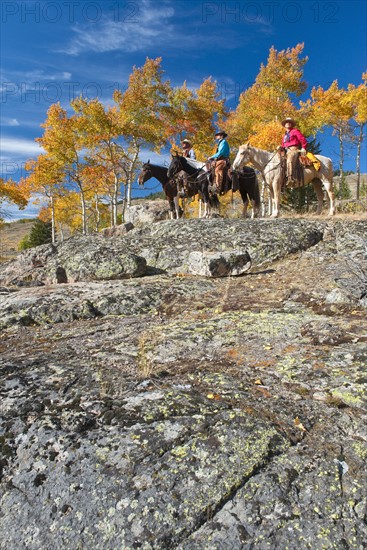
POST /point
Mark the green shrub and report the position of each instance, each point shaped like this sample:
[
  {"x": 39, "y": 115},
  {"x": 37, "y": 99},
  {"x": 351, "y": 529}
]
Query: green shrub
[
  {"x": 301, "y": 198},
  {"x": 41, "y": 233},
  {"x": 343, "y": 192},
  {"x": 24, "y": 243}
]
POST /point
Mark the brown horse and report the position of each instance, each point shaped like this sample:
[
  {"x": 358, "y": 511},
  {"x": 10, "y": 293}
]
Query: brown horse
[{"x": 169, "y": 185}]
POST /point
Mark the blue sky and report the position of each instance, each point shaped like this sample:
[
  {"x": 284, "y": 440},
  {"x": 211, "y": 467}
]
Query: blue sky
[{"x": 55, "y": 50}]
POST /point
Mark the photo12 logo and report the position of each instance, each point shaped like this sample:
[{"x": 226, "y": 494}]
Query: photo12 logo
[
  {"x": 68, "y": 11},
  {"x": 52, "y": 92},
  {"x": 269, "y": 12}
]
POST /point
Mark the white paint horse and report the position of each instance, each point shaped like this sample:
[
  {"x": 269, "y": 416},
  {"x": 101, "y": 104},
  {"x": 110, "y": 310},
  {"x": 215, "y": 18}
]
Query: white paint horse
[{"x": 270, "y": 166}]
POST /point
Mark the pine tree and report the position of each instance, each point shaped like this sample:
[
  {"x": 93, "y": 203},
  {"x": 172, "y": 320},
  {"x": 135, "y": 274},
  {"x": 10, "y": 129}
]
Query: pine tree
[{"x": 41, "y": 233}]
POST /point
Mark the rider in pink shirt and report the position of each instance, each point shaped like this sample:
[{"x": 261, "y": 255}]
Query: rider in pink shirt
[
  {"x": 293, "y": 137},
  {"x": 294, "y": 142}
]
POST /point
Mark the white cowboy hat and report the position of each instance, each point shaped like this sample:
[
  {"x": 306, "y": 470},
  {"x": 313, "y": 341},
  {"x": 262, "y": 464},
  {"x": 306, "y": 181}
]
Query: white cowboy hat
[
  {"x": 288, "y": 119},
  {"x": 186, "y": 141}
]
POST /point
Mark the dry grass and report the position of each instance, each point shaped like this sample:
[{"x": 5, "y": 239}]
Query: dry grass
[{"x": 10, "y": 235}]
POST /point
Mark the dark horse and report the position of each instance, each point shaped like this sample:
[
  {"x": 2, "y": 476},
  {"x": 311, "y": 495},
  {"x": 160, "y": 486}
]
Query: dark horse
[
  {"x": 198, "y": 180},
  {"x": 245, "y": 180},
  {"x": 169, "y": 185}
]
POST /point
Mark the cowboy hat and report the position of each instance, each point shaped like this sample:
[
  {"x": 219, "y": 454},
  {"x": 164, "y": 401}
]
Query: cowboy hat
[
  {"x": 221, "y": 133},
  {"x": 288, "y": 119},
  {"x": 186, "y": 141}
]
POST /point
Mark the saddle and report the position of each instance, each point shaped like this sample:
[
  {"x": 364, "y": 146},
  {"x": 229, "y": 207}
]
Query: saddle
[
  {"x": 313, "y": 160},
  {"x": 305, "y": 161}
]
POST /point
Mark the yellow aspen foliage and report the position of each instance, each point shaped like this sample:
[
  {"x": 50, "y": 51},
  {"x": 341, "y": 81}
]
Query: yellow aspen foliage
[
  {"x": 142, "y": 108},
  {"x": 267, "y": 136},
  {"x": 356, "y": 98},
  {"x": 330, "y": 106},
  {"x": 12, "y": 192},
  {"x": 195, "y": 115},
  {"x": 263, "y": 106}
]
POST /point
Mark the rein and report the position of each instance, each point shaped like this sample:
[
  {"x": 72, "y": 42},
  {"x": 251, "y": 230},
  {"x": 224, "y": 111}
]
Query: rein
[{"x": 269, "y": 161}]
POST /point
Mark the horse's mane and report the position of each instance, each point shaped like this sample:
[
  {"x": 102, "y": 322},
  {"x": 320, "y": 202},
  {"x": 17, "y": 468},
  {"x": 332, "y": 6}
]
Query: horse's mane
[
  {"x": 194, "y": 163},
  {"x": 155, "y": 165}
]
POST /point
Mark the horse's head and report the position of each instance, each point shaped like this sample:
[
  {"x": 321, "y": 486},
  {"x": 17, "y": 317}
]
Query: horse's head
[
  {"x": 145, "y": 174},
  {"x": 242, "y": 156},
  {"x": 175, "y": 165}
]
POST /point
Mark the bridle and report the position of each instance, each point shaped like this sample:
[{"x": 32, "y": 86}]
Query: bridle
[{"x": 145, "y": 172}]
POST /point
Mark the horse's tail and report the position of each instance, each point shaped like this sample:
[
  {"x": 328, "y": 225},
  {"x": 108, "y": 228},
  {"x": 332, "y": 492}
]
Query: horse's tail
[
  {"x": 329, "y": 167},
  {"x": 257, "y": 198}
]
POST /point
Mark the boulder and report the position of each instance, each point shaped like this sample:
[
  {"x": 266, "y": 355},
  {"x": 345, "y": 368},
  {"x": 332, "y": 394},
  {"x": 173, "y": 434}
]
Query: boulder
[
  {"x": 89, "y": 258},
  {"x": 147, "y": 212},
  {"x": 219, "y": 264},
  {"x": 117, "y": 230}
]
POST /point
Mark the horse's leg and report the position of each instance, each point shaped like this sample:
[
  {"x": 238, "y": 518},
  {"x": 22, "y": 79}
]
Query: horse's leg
[
  {"x": 316, "y": 184},
  {"x": 275, "y": 196},
  {"x": 262, "y": 198},
  {"x": 330, "y": 192},
  {"x": 208, "y": 209},
  {"x": 245, "y": 207},
  {"x": 177, "y": 207},
  {"x": 244, "y": 197},
  {"x": 181, "y": 208},
  {"x": 171, "y": 208},
  {"x": 255, "y": 209}
]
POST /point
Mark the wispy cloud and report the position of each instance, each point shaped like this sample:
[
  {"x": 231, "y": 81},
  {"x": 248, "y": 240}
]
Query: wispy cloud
[
  {"x": 47, "y": 76},
  {"x": 5, "y": 121},
  {"x": 34, "y": 76},
  {"x": 150, "y": 24},
  {"x": 19, "y": 147},
  {"x": 162, "y": 26}
]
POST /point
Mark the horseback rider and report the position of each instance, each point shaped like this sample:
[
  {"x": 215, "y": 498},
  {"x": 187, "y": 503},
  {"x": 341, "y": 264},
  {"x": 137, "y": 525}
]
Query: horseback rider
[
  {"x": 294, "y": 142},
  {"x": 183, "y": 181},
  {"x": 221, "y": 161},
  {"x": 187, "y": 150}
]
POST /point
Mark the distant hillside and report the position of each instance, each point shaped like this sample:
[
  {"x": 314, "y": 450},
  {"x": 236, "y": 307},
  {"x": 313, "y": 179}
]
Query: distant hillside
[
  {"x": 11, "y": 234},
  {"x": 351, "y": 180}
]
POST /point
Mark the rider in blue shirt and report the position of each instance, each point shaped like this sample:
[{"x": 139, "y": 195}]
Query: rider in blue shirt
[
  {"x": 223, "y": 150},
  {"x": 221, "y": 158}
]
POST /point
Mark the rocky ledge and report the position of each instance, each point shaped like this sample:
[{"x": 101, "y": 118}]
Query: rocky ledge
[{"x": 189, "y": 384}]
